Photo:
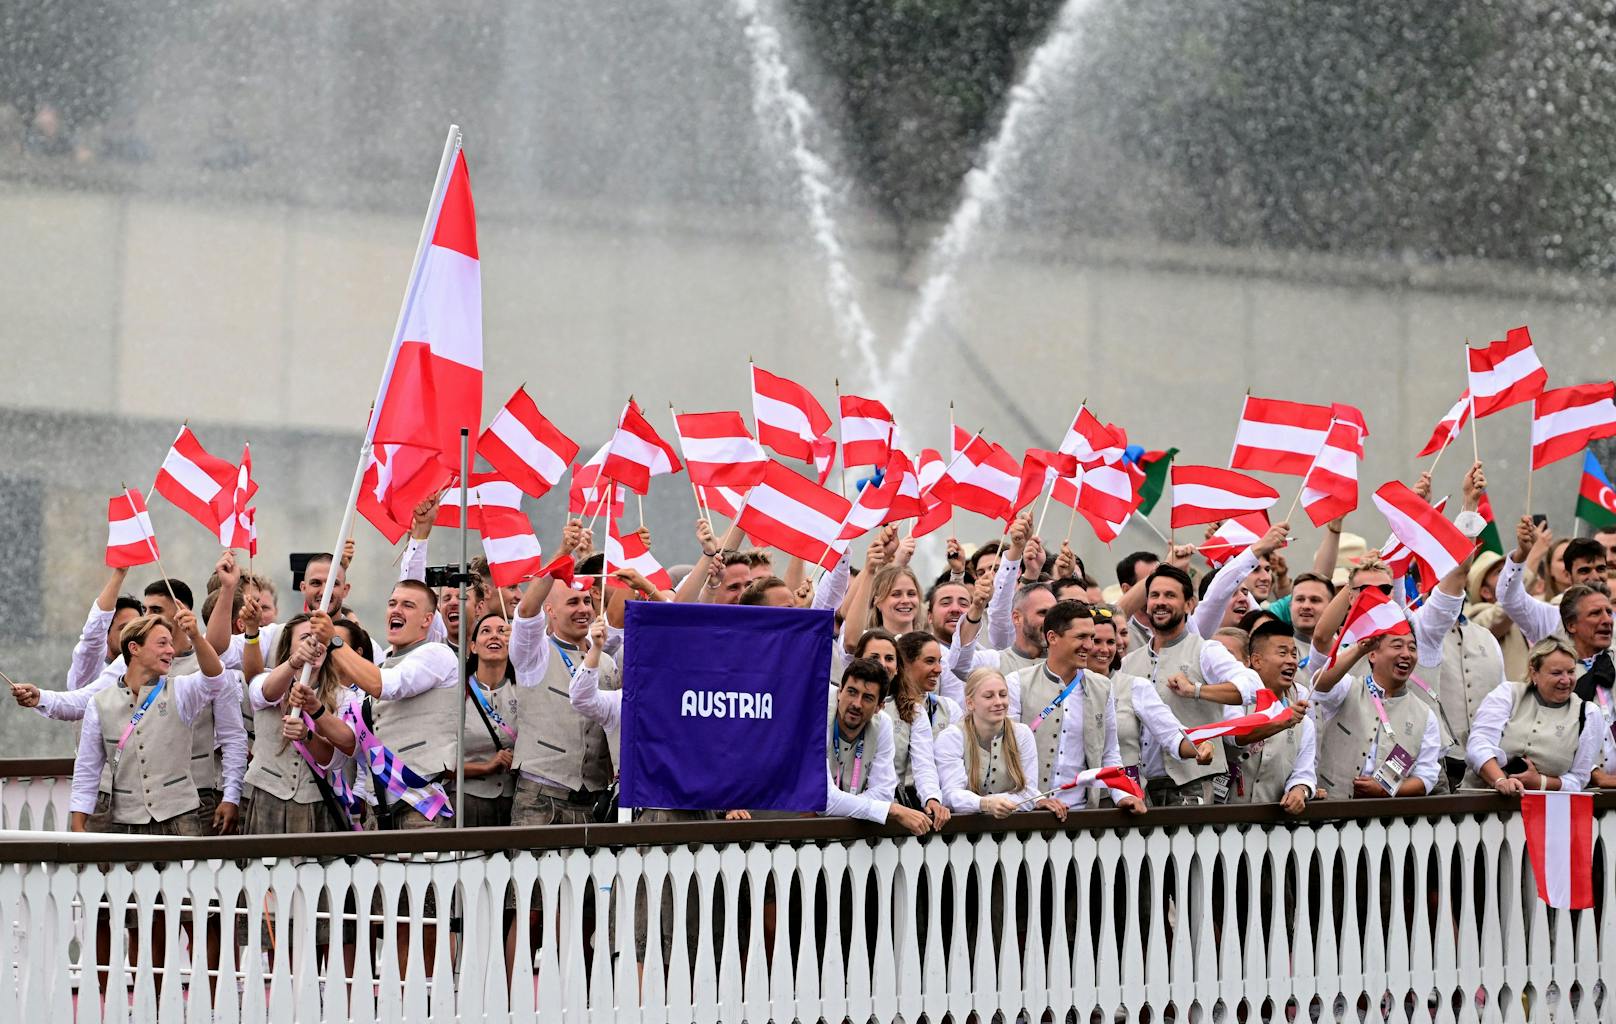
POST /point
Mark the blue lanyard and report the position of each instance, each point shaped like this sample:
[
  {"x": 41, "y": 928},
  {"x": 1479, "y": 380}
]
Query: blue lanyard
[
  {"x": 482, "y": 698},
  {"x": 1060, "y": 698},
  {"x": 563, "y": 652}
]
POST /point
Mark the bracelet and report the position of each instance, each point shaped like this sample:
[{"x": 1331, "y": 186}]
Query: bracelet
[
  {"x": 1336, "y": 532},
  {"x": 974, "y": 621},
  {"x": 1198, "y": 690},
  {"x": 317, "y": 713},
  {"x": 252, "y": 638}
]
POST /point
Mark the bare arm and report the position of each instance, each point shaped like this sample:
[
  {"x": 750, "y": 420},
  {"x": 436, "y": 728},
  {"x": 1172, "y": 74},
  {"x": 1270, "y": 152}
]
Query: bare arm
[{"x": 858, "y": 595}]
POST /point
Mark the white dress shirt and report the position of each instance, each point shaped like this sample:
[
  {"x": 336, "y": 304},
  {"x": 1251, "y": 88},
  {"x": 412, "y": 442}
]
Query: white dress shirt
[
  {"x": 230, "y": 736},
  {"x": 604, "y": 707},
  {"x": 1208, "y": 615},
  {"x": 1160, "y": 731},
  {"x": 191, "y": 694},
  {"x": 1536, "y": 618},
  {"x": 1218, "y": 665},
  {"x": 1487, "y": 736},
  {"x": 90, "y": 653},
  {"x": 430, "y": 666},
  {"x": 957, "y": 792},
  {"x": 881, "y": 780}
]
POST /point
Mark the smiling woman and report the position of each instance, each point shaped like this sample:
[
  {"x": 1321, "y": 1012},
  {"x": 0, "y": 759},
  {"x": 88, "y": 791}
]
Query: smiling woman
[{"x": 1537, "y": 734}]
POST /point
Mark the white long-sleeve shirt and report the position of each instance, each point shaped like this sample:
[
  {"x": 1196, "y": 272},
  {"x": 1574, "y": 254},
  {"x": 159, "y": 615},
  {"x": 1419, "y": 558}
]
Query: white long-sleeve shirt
[
  {"x": 604, "y": 707},
  {"x": 1537, "y": 619},
  {"x": 412, "y": 566},
  {"x": 839, "y": 804},
  {"x": 530, "y": 648},
  {"x": 882, "y": 778},
  {"x": 1160, "y": 731},
  {"x": 1327, "y": 704},
  {"x": 828, "y": 595},
  {"x": 999, "y": 627},
  {"x": 90, "y": 653},
  {"x": 1218, "y": 665},
  {"x": 1208, "y": 615},
  {"x": 922, "y": 759},
  {"x": 1071, "y": 755},
  {"x": 1487, "y": 737},
  {"x": 230, "y": 735},
  {"x": 957, "y": 793},
  {"x": 430, "y": 666},
  {"x": 191, "y": 694}
]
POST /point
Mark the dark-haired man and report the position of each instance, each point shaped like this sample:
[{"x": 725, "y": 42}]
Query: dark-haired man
[
  {"x": 859, "y": 753},
  {"x": 1275, "y": 763},
  {"x": 1378, "y": 739},
  {"x": 1584, "y": 561}
]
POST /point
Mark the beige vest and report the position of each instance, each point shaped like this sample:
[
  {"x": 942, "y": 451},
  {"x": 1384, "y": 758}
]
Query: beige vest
[
  {"x": 480, "y": 744},
  {"x": 276, "y": 767},
  {"x": 1344, "y": 740},
  {"x": 420, "y": 729},
  {"x": 840, "y": 755},
  {"x": 1011, "y": 662},
  {"x": 1547, "y": 735},
  {"x": 900, "y": 741},
  {"x": 153, "y": 779},
  {"x": 555, "y": 741},
  {"x": 1183, "y": 657},
  {"x": 1265, "y": 766},
  {"x": 992, "y": 772},
  {"x": 1089, "y": 700},
  {"x": 1472, "y": 667}
]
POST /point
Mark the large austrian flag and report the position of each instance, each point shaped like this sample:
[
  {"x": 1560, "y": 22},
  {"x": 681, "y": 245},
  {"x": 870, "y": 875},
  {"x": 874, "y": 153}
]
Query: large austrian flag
[
  {"x": 794, "y": 514},
  {"x": 434, "y": 384},
  {"x": 1276, "y": 436},
  {"x": 1205, "y": 494},
  {"x": 1560, "y": 841},
  {"x": 1566, "y": 420},
  {"x": 1436, "y": 542},
  {"x": 1505, "y": 373}
]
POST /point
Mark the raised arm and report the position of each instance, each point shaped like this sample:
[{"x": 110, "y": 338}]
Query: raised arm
[
  {"x": 692, "y": 587},
  {"x": 221, "y": 621},
  {"x": 1000, "y": 628},
  {"x": 858, "y": 596},
  {"x": 1536, "y": 618},
  {"x": 89, "y": 654}
]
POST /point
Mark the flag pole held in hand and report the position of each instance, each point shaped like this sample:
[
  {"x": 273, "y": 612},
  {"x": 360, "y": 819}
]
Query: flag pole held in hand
[{"x": 465, "y": 681}]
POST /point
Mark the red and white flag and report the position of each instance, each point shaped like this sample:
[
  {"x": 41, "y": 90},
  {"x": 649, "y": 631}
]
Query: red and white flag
[
  {"x": 198, "y": 484},
  {"x": 1102, "y": 490},
  {"x": 1372, "y": 614},
  {"x": 398, "y": 478},
  {"x": 525, "y": 448},
  {"x": 1505, "y": 373},
  {"x": 1437, "y": 543},
  {"x": 1330, "y": 489},
  {"x": 1041, "y": 469},
  {"x": 934, "y": 509},
  {"x": 590, "y": 494},
  {"x": 726, "y": 501},
  {"x": 131, "y": 541},
  {"x": 433, "y": 385},
  {"x": 512, "y": 550},
  {"x": 629, "y": 551},
  {"x": 794, "y": 514},
  {"x": 1205, "y": 494},
  {"x": 1399, "y": 557},
  {"x": 235, "y": 526},
  {"x": 1275, "y": 436},
  {"x": 484, "y": 491},
  {"x": 982, "y": 478},
  {"x": 1087, "y": 438},
  {"x": 906, "y": 502},
  {"x": 636, "y": 453},
  {"x": 790, "y": 420},
  {"x": 1560, "y": 840},
  {"x": 1234, "y": 536},
  {"x": 252, "y": 533},
  {"x": 1112, "y": 777},
  {"x": 1566, "y": 420},
  {"x": 1447, "y": 430},
  {"x": 867, "y": 432},
  {"x": 873, "y": 506},
  {"x": 1268, "y": 711},
  {"x": 719, "y": 450}
]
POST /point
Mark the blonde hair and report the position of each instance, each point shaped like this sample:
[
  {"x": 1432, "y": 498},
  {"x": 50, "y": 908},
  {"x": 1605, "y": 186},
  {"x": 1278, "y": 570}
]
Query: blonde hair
[
  {"x": 884, "y": 581},
  {"x": 1546, "y": 648},
  {"x": 1369, "y": 565},
  {"x": 973, "y": 749},
  {"x": 138, "y": 631}
]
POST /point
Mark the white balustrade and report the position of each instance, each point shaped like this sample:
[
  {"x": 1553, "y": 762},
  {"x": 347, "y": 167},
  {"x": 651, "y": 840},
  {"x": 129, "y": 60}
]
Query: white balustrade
[{"x": 1407, "y": 919}]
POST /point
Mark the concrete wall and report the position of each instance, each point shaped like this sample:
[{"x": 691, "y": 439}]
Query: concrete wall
[{"x": 126, "y": 314}]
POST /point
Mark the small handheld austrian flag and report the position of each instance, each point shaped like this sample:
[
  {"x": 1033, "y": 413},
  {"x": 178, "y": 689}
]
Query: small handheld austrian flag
[{"x": 131, "y": 541}]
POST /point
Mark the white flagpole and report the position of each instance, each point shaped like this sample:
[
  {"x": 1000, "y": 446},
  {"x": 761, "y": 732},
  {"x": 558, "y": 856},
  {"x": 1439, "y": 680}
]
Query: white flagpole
[
  {"x": 451, "y": 147},
  {"x": 465, "y": 680}
]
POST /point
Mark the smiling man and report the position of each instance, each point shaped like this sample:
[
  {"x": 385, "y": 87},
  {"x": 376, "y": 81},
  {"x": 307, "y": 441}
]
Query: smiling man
[
  {"x": 1378, "y": 739},
  {"x": 859, "y": 752}
]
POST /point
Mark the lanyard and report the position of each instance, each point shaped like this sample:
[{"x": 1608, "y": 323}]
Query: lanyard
[
  {"x": 1060, "y": 698},
  {"x": 1375, "y": 694},
  {"x": 858, "y": 758},
  {"x": 482, "y": 697},
  {"x": 563, "y": 652},
  {"x": 134, "y": 720}
]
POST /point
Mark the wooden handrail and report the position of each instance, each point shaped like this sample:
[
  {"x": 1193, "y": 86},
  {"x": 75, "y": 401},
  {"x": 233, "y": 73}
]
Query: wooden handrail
[{"x": 49, "y": 847}]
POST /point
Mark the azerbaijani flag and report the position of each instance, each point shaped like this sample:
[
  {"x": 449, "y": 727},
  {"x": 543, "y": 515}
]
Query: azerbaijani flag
[
  {"x": 1596, "y": 499},
  {"x": 1490, "y": 541}
]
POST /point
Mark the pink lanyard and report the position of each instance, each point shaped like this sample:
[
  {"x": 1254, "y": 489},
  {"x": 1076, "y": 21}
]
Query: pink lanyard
[
  {"x": 858, "y": 760},
  {"x": 134, "y": 720},
  {"x": 1380, "y": 708}
]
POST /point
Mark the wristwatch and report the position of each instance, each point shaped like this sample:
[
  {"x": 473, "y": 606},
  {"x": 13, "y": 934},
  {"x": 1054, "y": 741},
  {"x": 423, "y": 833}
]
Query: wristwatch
[{"x": 336, "y": 642}]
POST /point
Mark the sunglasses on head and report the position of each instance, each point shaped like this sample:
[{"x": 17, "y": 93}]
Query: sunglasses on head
[{"x": 1101, "y": 613}]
